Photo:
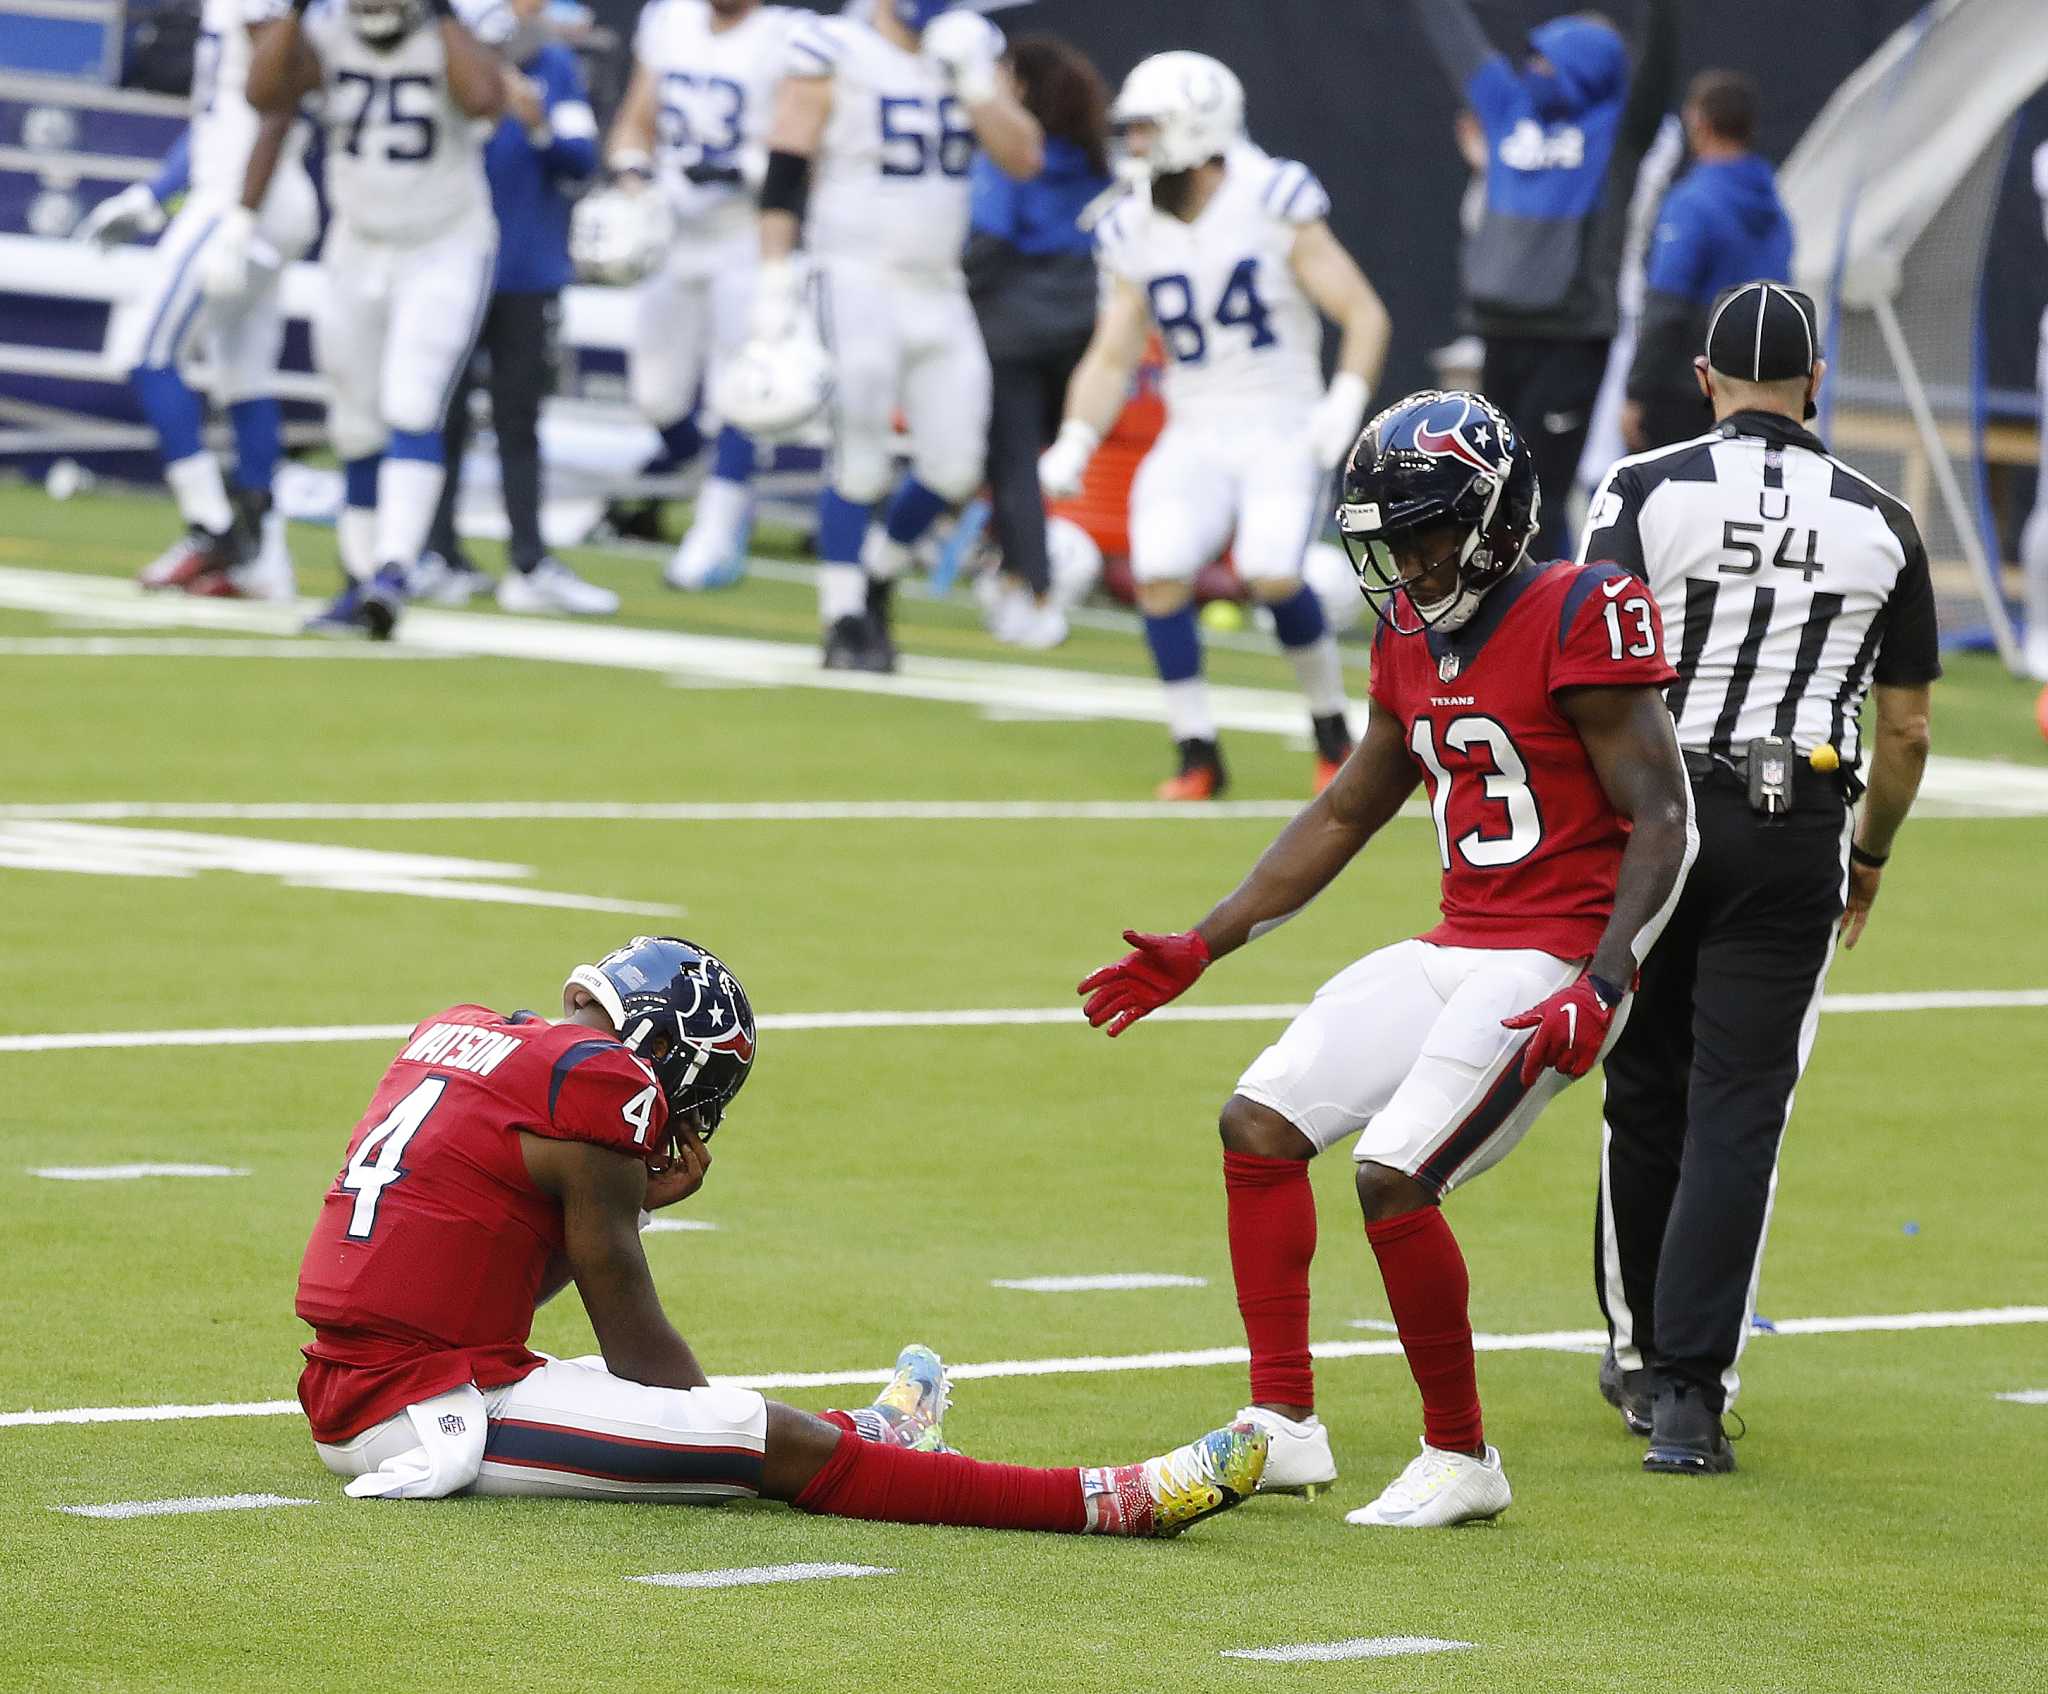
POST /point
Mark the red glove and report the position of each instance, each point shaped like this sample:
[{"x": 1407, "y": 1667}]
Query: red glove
[
  {"x": 1158, "y": 968},
  {"x": 1570, "y": 1026}
]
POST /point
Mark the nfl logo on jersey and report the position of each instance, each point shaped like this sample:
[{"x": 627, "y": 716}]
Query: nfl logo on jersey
[{"x": 1447, "y": 667}]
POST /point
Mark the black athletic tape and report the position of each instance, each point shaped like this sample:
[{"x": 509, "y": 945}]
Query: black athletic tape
[{"x": 787, "y": 186}]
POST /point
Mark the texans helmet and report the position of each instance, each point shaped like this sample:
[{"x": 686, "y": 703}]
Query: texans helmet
[
  {"x": 1438, "y": 458},
  {"x": 665, "y": 993}
]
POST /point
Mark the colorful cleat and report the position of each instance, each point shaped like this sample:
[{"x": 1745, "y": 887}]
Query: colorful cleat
[
  {"x": 1201, "y": 773},
  {"x": 196, "y": 554},
  {"x": 914, "y": 1404},
  {"x": 1166, "y": 1495}
]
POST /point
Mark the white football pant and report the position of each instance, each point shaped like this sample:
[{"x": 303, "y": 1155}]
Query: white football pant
[
  {"x": 688, "y": 317},
  {"x": 1200, "y": 487}
]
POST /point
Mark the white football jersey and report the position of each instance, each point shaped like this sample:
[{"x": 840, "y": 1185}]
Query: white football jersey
[
  {"x": 715, "y": 90},
  {"x": 404, "y": 162},
  {"x": 1239, "y": 332},
  {"x": 890, "y": 181},
  {"x": 224, "y": 124}
]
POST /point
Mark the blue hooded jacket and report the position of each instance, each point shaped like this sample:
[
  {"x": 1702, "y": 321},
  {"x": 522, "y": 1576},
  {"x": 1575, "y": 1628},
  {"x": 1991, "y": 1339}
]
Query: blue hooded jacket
[
  {"x": 533, "y": 188},
  {"x": 1563, "y": 147},
  {"x": 1722, "y": 223}
]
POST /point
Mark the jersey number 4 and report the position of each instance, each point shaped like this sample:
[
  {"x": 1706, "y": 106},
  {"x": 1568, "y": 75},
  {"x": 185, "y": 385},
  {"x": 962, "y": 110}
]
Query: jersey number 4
[
  {"x": 1506, "y": 785},
  {"x": 374, "y": 1166},
  {"x": 1175, "y": 311}
]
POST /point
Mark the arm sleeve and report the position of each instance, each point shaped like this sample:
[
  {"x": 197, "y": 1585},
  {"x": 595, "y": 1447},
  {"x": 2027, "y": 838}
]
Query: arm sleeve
[
  {"x": 1655, "y": 83},
  {"x": 174, "y": 175},
  {"x": 1454, "y": 35},
  {"x": 1613, "y": 534},
  {"x": 1608, "y": 619},
  {"x": 1911, "y": 651},
  {"x": 571, "y": 155},
  {"x": 598, "y": 1092}
]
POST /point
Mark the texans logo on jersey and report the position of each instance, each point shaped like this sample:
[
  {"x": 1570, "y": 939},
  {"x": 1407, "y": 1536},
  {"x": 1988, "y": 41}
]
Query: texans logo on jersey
[{"x": 1448, "y": 430}]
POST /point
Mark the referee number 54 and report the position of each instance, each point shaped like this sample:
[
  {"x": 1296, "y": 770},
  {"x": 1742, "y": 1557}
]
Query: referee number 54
[{"x": 1745, "y": 541}]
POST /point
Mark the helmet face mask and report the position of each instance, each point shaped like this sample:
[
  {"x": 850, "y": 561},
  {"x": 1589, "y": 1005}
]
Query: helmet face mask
[
  {"x": 383, "y": 23},
  {"x": 1437, "y": 464},
  {"x": 681, "y": 1011}
]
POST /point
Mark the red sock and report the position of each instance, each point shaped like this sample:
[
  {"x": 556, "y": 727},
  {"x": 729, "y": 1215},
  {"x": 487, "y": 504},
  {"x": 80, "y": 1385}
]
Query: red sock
[
  {"x": 1428, "y": 1288},
  {"x": 888, "y": 1484},
  {"x": 1272, "y": 1239}
]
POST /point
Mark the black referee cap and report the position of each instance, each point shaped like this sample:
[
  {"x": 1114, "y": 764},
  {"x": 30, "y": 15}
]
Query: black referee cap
[{"x": 1763, "y": 332}]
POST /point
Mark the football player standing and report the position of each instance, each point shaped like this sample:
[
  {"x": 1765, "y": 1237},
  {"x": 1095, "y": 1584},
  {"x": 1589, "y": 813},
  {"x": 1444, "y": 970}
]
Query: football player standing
[
  {"x": 409, "y": 91},
  {"x": 1226, "y": 252},
  {"x": 885, "y": 116},
  {"x": 1528, "y": 697},
  {"x": 502, "y": 1157},
  {"x": 691, "y": 129},
  {"x": 214, "y": 277}
]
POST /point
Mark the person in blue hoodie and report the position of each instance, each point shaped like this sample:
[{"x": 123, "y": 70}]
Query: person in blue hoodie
[
  {"x": 543, "y": 152},
  {"x": 1721, "y": 224},
  {"x": 1031, "y": 275},
  {"x": 1567, "y": 122}
]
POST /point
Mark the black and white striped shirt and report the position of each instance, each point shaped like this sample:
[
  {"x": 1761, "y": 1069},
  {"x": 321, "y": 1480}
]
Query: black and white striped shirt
[{"x": 1788, "y": 583}]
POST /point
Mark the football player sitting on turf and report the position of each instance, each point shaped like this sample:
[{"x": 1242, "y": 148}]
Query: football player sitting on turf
[
  {"x": 1225, "y": 251},
  {"x": 502, "y": 1157},
  {"x": 1529, "y": 698}
]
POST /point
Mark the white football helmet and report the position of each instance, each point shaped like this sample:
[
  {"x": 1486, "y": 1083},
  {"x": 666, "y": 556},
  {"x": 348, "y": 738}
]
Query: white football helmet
[
  {"x": 384, "y": 23},
  {"x": 619, "y": 235},
  {"x": 1194, "y": 103},
  {"x": 773, "y": 388}
]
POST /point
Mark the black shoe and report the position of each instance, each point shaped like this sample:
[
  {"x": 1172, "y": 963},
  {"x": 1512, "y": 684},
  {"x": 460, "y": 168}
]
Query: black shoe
[
  {"x": 1629, "y": 1392},
  {"x": 881, "y": 616},
  {"x": 383, "y": 598},
  {"x": 1686, "y": 1438},
  {"x": 846, "y": 644},
  {"x": 1333, "y": 738}
]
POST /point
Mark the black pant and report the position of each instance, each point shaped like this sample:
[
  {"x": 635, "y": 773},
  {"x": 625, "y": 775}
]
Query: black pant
[
  {"x": 1700, "y": 1083},
  {"x": 1547, "y": 388},
  {"x": 1023, "y": 418},
  {"x": 515, "y": 353}
]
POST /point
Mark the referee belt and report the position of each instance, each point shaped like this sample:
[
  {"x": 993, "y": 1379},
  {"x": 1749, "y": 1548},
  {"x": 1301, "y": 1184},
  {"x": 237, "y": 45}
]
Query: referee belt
[{"x": 1812, "y": 790}]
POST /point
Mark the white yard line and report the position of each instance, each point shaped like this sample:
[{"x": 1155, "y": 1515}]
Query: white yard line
[
  {"x": 678, "y": 1226},
  {"x": 758, "y": 1576},
  {"x": 657, "y": 811},
  {"x": 1358, "y": 1647},
  {"x": 2028, "y": 1397},
  {"x": 180, "y": 1508},
  {"x": 129, "y": 1173},
  {"x": 988, "y": 1017},
  {"x": 1111, "y": 1282},
  {"x": 1976, "y": 787},
  {"x": 1539, "y": 1341},
  {"x": 185, "y": 647}
]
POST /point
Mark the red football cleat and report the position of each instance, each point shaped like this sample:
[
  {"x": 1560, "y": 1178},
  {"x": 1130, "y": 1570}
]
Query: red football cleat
[
  {"x": 194, "y": 554},
  {"x": 1201, "y": 773}
]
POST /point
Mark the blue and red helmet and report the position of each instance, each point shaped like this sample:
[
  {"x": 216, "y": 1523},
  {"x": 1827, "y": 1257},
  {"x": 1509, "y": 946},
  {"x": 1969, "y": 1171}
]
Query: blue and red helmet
[
  {"x": 679, "y": 1008},
  {"x": 1438, "y": 458}
]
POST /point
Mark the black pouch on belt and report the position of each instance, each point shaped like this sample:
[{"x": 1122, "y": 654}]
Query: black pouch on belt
[{"x": 1772, "y": 764}]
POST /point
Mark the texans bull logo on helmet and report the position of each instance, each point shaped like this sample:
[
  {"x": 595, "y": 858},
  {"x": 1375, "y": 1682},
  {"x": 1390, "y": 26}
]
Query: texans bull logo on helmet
[{"x": 1448, "y": 430}]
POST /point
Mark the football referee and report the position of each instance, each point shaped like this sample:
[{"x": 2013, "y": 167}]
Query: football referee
[{"x": 1789, "y": 584}]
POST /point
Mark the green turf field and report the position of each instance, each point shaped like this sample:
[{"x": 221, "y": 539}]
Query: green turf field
[{"x": 1883, "y": 1532}]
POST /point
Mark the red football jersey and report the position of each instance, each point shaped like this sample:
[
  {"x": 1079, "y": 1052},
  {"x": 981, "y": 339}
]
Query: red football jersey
[
  {"x": 1530, "y": 845},
  {"x": 428, "y": 1255}
]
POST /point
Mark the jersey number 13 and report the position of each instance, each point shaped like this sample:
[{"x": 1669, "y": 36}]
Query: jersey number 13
[{"x": 1506, "y": 785}]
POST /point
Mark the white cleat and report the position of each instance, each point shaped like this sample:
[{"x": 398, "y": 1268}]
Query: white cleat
[
  {"x": 269, "y": 575},
  {"x": 438, "y": 581},
  {"x": 714, "y": 553},
  {"x": 552, "y": 586},
  {"x": 1298, "y": 1459},
  {"x": 1017, "y": 618},
  {"x": 1439, "y": 1489}
]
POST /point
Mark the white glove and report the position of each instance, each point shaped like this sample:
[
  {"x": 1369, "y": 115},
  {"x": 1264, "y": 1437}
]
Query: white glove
[
  {"x": 1333, "y": 425},
  {"x": 777, "y": 307},
  {"x": 224, "y": 260},
  {"x": 1062, "y": 466},
  {"x": 122, "y": 217},
  {"x": 966, "y": 46}
]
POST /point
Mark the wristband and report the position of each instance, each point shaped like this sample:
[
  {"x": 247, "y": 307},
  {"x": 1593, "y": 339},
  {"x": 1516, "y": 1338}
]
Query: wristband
[
  {"x": 786, "y": 185},
  {"x": 1861, "y": 855},
  {"x": 1610, "y": 996}
]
